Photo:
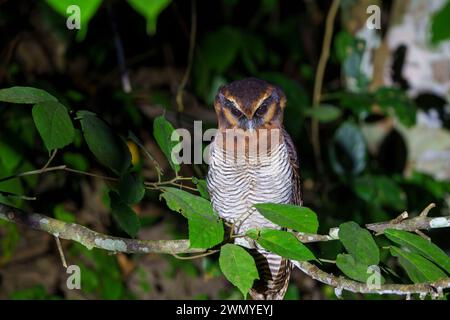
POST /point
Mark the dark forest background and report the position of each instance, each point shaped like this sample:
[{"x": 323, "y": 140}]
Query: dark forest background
[{"x": 366, "y": 171}]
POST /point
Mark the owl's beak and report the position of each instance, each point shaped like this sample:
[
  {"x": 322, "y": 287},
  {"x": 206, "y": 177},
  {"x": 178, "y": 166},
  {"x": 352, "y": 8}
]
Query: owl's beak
[{"x": 250, "y": 125}]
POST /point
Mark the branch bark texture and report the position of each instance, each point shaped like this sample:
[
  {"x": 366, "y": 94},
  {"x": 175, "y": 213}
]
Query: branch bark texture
[{"x": 92, "y": 239}]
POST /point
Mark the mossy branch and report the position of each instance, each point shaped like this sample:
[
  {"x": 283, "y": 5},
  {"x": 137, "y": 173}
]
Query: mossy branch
[{"x": 92, "y": 239}]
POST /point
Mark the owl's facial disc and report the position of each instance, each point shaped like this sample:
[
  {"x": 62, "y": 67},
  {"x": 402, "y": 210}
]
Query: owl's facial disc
[
  {"x": 246, "y": 121},
  {"x": 249, "y": 104}
]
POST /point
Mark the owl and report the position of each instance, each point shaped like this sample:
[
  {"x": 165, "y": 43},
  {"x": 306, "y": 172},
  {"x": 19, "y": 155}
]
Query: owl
[{"x": 252, "y": 160}]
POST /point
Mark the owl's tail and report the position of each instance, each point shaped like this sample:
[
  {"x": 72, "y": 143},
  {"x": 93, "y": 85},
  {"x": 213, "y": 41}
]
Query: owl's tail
[{"x": 274, "y": 273}]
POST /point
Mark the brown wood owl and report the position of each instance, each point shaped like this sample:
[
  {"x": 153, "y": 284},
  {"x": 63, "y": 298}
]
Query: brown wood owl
[{"x": 253, "y": 160}]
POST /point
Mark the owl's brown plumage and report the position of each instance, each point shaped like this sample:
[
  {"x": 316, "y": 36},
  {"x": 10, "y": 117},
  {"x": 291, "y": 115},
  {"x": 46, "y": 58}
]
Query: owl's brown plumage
[{"x": 249, "y": 108}]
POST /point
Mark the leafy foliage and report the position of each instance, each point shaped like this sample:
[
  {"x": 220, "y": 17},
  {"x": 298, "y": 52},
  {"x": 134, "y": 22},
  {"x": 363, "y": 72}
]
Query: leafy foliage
[
  {"x": 289, "y": 216},
  {"x": 150, "y": 10},
  {"x": 108, "y": 147},
  {"x": 324, "y": 113},
  {"x": 238, "y": 267},
  {"x": 354, "y": 269},
  {"x": 25, "y": 95},
  {"x": 417, "y": 267},
  {"x": 131, "y": 188},
  {"x": 124, "y": 215},
  {"x": 359, "y": 243},
  {"x": 205, "y": 228},
  {"x": 53, "y": 123},
  {"x": 381, "y": 191},
  {"x": 88, "y": 8},
  {"x": 282, "y": 243},
  {"x": 353, "y": 185},
  {"x": 167, "y": 139},
  {"x": 421, "y": 246},
  {"x": 439, "y": 25}
]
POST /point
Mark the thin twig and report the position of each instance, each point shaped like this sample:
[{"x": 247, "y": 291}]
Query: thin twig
[
  {"x": 61, "y": 252},
  {"x": 94, "y": 175},
  {"x": 52, "y": 156},
  {"x": 329, "y": 25},
  {"x": 340, "y": 283},
  {"x": 179, "y": 97},
  {"x": 149, "y": 185},
  {"x": 208, "y": 253},
  {"x": 33, "y": 172}
]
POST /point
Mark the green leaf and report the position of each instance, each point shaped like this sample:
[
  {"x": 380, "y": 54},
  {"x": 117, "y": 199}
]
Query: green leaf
[
  {"x": 131, "y": 188},
  {"x": 427, "y": 182},
  {"x": 439, "y": 24},
  {"x": 107, "y": 147},
  {"x": 9, "y": 187},
  {"x": 201, "y": 187},
  {"x": 344, "y": 44},
  {"x": 205, "y": 227},
  {"x": 380, "y": 190},
  {"x": 419, "y": 245},
  {"x": 9, "y": 240},
  {"x": 417, "y": 267},
  {"x": 125, "y": 217},
  {"x": 289, "y": 216},
  {"x": 238, "y": 266},
  {"x": 88, "y": 8},
  {"x": 219, "y": 58},
  {"x": 395, "y": 101},
  {"x": 9, "y": 157},
  {"x": 150, "y": 10},
  {"x": 354, "y": 269},
  {"x": 348, "y": 150},
  {"x": 359, "y": 243},
  {"x": 163, "y": 132},
  {"x": 27, "y": 95},
  {"x": 53, "y": 124},
  {"x": 324, "y": 113},
  {"x": 359, "y": 103},
  {"x": 282, "y": 243}
]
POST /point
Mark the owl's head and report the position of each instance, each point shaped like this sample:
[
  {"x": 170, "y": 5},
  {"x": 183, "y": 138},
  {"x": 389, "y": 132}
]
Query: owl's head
[{"x": 250, "y": 104}]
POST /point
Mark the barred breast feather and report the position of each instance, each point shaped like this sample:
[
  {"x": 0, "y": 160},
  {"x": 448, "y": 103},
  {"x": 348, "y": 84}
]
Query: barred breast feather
[{"x": 236, "y": 186}]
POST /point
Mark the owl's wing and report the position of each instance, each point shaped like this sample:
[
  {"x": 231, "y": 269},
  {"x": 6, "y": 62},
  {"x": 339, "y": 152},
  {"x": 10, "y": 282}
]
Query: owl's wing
[{"x": 294, "y": 162}]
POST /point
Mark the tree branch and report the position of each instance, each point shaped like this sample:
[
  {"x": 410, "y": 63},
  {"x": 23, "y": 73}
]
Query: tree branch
[
  {"x": 421, "y": 222},
  {"x": 180, "y": 91},
  {"x": 317, "y": 93},
  {"x": 340, "y": 283},
  {"x": 92, "y": 239}
]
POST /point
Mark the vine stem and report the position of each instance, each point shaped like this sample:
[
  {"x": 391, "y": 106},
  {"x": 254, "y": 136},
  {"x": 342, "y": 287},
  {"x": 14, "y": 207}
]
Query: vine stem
[
  {"x": 180, "y": 91},
  {"x": 149, "y": 185},
  {"x": 318, "y": 83}
]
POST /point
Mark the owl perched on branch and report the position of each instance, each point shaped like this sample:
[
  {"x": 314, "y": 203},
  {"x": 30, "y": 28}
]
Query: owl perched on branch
[{"x": 253, "y": 160}]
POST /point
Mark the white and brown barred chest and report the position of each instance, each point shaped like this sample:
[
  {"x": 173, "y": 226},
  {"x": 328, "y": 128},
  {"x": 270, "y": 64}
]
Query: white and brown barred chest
[{"x": 235, "y": 187}]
